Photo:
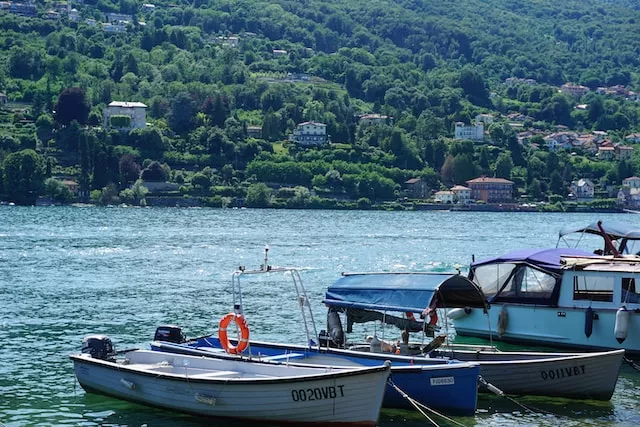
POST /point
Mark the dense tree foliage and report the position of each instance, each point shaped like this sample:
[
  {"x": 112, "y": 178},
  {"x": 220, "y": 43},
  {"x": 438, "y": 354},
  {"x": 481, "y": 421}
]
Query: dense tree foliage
[{"x": 426, "y": 65}]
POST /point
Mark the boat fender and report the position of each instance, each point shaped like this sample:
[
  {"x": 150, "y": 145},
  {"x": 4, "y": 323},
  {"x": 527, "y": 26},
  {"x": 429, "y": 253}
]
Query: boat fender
[
  {"x": 503, "y": 321},
  {"x": 243, "y": 341},
  {"x": 588, "y": 322},
  {"x": 458, "y": 313},
  {"x": 334, "y": 326},
  {"x": 621, "y": 328}
]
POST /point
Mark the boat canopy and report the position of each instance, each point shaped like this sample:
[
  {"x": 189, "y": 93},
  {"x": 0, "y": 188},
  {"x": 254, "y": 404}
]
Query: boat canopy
[
  {"x": 408, "y": 292},
  {"x": 545, "y": 259},
  {"x": 613, "y": 229}
]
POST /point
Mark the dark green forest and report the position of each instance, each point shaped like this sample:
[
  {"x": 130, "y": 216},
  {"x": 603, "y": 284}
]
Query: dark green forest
[{"x": 425, "y": 64}]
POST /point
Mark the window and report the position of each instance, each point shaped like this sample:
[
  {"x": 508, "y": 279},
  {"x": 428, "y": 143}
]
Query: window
[
  {"x": 629, "y": 293},
  {"x": 593, "y": 288},
  {"x": 491, "y": 277}
]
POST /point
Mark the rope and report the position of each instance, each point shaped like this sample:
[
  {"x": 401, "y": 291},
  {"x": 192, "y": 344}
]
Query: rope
[
  {"x": 631, "y": 363},
  {"x": 420, "y": 406},
  {"x": 501, "y": 393}
]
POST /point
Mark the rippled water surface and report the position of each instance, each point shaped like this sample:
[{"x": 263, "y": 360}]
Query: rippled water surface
[{"x": 68, "y": 272}]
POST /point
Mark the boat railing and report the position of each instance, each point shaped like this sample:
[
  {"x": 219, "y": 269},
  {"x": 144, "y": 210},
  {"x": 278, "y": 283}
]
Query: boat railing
[{"x": 301, "y": 295}]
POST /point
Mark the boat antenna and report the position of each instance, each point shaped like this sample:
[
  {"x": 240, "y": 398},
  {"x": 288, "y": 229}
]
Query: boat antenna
[{"x": 266, "y": 266}]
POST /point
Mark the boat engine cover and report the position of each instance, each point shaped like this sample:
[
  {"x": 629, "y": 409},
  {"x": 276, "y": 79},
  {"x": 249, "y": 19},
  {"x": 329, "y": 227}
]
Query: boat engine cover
[
  {"x": 98, "y": 346},
  {"x": 169, "y": 333}
]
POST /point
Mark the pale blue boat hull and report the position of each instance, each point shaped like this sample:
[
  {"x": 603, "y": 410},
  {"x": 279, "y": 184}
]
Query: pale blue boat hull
[{"x": 552, "y": 326}]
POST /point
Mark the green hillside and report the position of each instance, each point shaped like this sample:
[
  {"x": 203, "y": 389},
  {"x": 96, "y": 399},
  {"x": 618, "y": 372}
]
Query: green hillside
[{"x": 226, "y": 83}]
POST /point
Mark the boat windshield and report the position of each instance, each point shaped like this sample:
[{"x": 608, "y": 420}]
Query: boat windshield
[
  {"x": 516, "y": 282},
  {"x": 490, "y": 277}
]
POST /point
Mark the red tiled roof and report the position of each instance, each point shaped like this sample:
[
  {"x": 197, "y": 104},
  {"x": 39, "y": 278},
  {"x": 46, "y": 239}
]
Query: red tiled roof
[
  {"x": 412, "y": 181},
  {"x": 484, "y": 179}
]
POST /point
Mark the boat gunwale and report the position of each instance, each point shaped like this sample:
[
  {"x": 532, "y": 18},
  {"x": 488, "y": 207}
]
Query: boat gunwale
[{"x": 341, "y": 372}]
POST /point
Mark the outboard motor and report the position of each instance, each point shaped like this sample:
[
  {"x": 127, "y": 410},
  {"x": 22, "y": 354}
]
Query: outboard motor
[
  {"x": 169, "y": 333},
  {"x": 334, "y": 327},
  {"x": 99, "y": 347}
]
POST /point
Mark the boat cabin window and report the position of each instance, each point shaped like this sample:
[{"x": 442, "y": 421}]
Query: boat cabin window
[
  {"x": 490, "y": 277},
  {"x": 527, "y": 283},
  {"x": 593, "y": 288},
  {"x": 629, "y": 292}
]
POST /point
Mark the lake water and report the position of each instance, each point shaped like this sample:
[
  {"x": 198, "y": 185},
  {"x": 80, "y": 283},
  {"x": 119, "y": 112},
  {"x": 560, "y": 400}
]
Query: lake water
[{"x": 68, "y": 272}]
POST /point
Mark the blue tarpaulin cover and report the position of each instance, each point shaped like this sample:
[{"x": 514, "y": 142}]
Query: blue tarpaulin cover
[
  {"x": 546, "y": 259},
  {"x": 403, "y": 291}
]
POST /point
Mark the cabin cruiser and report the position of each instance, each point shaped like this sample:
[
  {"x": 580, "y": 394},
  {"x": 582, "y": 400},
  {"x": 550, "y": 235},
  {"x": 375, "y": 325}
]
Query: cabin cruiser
[{"x": 561, "y": 297}]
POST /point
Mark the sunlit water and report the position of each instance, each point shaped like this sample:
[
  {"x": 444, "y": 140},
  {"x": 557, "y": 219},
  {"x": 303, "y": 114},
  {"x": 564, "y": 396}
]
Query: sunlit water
[{"x": 68, "y": 272}]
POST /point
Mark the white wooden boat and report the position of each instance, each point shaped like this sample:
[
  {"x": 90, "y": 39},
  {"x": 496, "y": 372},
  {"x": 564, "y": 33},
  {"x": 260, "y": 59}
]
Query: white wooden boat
[
  {"x": 569, "y": 375},
  {"x": 238, "y": 389}
]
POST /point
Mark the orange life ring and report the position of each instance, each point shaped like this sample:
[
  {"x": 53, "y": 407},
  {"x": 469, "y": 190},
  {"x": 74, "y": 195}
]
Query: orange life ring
[
  {"x": 243, "y": 342},
  {"x": 433, "y": 316},
  {"x": 410, "y": 316}
]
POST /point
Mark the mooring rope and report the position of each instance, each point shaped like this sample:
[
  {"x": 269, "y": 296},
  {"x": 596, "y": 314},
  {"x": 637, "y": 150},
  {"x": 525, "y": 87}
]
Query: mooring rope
[
  {"x": 501, "y": 393},
  {"x": 420, "y": 406},
  {"x": 631, "y": 363}
]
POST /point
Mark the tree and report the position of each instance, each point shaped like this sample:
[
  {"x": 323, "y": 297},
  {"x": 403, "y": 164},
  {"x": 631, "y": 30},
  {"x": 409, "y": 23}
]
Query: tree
[
  {"x": 23, "y": 176},
  {"x": 183, "y": 113},
  {"x": 72, "y": 105},
  {"x": 200, "y": 181},
  {"x": 556, "y": 184},
  {"x": 129, "y": 169},
  {"x": 258, "y": 196},
  {"x": 57, "y": 191},
  {"x": 504, "y": 164},
  {"x": 154, "y": 172},
  {"x": 534, "y": 189}
]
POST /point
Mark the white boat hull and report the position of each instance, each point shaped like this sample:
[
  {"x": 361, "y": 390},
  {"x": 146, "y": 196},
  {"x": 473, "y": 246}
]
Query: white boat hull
[{"x": 188, "y": 384}]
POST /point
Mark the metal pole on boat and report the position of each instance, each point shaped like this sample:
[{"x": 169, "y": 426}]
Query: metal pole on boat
[{"x": 265, "y": 266}]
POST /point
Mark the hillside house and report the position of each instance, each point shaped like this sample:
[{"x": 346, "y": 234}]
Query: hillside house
[
  {"x": 445, "y": 196},
  {"x": 310, "y": 134},
  {"x": 583, "y": 190},
  {"x": 461, "y": 194},
  {"x": 560, "y": 140},
  {"x": 623, "y": 152},
  {"x": 485, "y": 118},
  {"x": 575, "y": 90},
  {"x": 416, "y": 188},
  {"x": 3, "y": 99},
  {"x": 634, "y": 138},
  {"x": 374, "y": 120},
  {"x": 473, "y": 132},
  {"x": 136, "y": 111},
  {"x": 254, "y": 132},
  {"x": 631, "y": 182},
  {"x": 629, "y": 197},
  {"x": 491, "y": 190},
  {"x": 605, "y": 152}
]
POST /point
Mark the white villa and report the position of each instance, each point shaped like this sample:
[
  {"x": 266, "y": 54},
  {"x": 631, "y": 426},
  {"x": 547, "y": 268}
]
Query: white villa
[
  {"x": 473, "y": 132},
  {"x": 135, "y": 110},
  {"x": 445, "y": 196},
  {"x": 309, "y": 134},
  {"x": 461, "y": 194},
  {"x": 631, "y": 182},
  {"x": 583, "y": 189}
]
